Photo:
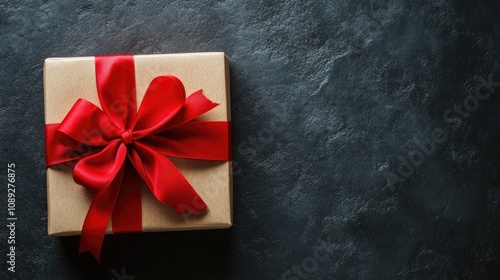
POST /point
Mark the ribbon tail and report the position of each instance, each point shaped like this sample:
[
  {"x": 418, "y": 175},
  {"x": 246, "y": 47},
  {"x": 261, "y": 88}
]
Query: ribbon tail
[
  {"x": 165, "y": 181},
  {"x": 127, "y": 214},
  {"x": 97, "y": 219}
]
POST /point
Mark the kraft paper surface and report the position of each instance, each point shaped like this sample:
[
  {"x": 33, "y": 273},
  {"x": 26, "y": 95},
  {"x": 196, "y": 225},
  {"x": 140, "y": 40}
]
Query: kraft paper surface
[{"x": 67, "y": 79}]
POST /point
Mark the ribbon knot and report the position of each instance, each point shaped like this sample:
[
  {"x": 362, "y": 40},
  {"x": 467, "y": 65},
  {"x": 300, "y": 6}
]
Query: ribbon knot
[
  {"x": 163, "y": 126},
  {"x": 126, "y": 136}
]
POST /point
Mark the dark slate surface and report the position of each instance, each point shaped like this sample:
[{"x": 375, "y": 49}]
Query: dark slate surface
[{"x": 330, "y": 101}]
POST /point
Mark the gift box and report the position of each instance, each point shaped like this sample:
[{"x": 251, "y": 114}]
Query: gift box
[{"x": 68, "y": 80}]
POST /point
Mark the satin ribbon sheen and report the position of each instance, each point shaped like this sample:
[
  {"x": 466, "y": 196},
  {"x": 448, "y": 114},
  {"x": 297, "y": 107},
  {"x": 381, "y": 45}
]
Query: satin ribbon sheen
[{"x": 117, "y": 148}]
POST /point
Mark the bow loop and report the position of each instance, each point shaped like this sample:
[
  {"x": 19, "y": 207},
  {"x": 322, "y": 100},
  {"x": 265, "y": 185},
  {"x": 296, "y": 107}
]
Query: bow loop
[
  {"x": 88, "y": 124},
  {"x": 196, "y": 104},
  {"x": 163, "y": 99}
]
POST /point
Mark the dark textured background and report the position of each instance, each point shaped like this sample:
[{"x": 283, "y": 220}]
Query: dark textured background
[{"x": 327, "y": 99}]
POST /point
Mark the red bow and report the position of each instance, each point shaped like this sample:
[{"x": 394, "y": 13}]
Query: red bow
[{"x": 114, "y": 148}]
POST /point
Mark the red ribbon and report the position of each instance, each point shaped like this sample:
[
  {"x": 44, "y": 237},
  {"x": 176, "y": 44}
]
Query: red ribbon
[{"x": 118, "y": 147}]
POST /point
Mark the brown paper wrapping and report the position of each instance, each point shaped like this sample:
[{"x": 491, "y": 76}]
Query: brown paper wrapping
[{"x": 67, "y": 79}]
